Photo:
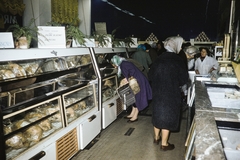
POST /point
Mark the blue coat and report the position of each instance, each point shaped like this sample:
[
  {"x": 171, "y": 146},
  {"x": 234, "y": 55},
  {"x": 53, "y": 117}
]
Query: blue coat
[
  {"x": 167, "y": 74},
  {"x": 128, "y": 69}
]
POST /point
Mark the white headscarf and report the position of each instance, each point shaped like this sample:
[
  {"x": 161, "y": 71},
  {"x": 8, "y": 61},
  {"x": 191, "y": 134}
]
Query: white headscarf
[{"x": 173, "y": 44}]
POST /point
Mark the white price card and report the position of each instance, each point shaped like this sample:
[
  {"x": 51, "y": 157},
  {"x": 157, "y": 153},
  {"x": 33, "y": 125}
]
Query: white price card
[
  {"x": 6, "y": 40},
  {"x": 51, "y": 37}
]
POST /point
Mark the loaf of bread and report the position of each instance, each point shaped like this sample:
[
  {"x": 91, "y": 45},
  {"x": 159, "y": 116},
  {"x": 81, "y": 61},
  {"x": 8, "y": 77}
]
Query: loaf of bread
[
  {"x": 56, "y": 118},
  {"x": 17, "y": 69},
  {"x": 82, "y": 105},
  {"x": 45, "y": 125},
  {"x": 33, "y": 116},
  {"x": 17, "y": 141},
  {"x": 108, "y": 83},
  {"x": 20, "y": 124},
  {"x": 6, "y": 74},
  {"x": 70, "y": 112},
  {"x": 33, "y": 133},
  {"x": 7, "y": 129},
  {"x": 75, "y": 107}
]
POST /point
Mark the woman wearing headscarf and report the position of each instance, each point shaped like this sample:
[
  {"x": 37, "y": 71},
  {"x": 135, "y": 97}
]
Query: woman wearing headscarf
[
  {"x": 142, "y": 57},
  {"x": 128, "y": 69},
  {"x": 167, "y": 74}
]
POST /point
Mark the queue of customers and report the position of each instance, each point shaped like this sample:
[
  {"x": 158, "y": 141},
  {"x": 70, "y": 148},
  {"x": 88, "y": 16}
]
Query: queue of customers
[{"x": 163, "y": 73}]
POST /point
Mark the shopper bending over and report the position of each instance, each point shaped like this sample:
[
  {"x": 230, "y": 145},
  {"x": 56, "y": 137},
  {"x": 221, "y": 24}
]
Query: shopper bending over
[
  {"x": 128, "y": 69},
  {"x": 167, "y": 74}
]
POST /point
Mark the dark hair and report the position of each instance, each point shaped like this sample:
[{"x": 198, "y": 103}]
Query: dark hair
[
  {"x": 147, "y": 46},
  {"x": 184, "y": 45},
  {"x": 207, "y": 50}
]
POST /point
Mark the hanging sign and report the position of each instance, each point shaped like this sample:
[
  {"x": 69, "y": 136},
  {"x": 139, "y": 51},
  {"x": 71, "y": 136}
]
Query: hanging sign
[
  {"x": 51, "y": 37},
  {"x": 6, "y": 40}
]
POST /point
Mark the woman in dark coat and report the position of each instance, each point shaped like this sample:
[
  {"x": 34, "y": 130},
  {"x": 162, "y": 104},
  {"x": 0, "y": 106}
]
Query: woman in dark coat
[
  {"x": 128, "y": 69},
  {"x": 167, "y": 74}
]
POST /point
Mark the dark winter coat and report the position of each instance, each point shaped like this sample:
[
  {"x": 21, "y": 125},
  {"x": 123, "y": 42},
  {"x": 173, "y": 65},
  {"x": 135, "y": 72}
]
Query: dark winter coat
[
  {"x": 167, "y": 74},
  {"x": 143, "y": 58},
  {"x": 128, "y": 69}
]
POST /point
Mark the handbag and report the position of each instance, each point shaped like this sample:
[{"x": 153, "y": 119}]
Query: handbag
[
  {"x": 126, "y": 95},
  {"x": 134, "y": 85}
]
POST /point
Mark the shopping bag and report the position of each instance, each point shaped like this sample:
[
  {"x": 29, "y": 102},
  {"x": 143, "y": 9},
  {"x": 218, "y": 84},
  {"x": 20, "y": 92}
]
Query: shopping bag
[
  {"x": 126, "y": 95},
  {"x": 134, "y": 85}
]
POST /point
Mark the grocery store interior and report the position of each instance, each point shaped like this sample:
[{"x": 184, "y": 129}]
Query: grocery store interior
[{"x": 58, "y": 85}]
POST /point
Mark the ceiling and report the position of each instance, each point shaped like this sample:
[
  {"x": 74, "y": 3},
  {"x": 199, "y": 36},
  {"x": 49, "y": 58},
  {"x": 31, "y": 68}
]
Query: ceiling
[{"x": 187, "y": 18}]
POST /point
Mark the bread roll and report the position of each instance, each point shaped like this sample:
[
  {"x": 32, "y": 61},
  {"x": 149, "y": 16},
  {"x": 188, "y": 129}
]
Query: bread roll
[
  {"x": 17, "y": 141},
  {"x": 20, "y": 124},
  {"x": 33, "y": 133},
  {"x": 56, "y": 118},
  {"x": 7, "y": 129},
  {"x": 83, "y": 105},
  {"x": 70, "y": 112},
  {"x": 45, "y": 125},
  {"x": 33, "y": 116}
]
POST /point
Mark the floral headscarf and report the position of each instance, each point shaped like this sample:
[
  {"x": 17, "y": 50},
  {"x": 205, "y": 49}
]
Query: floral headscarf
[
  {"x": 117, "y": 60},
  {"x": 173, "y": 44}
]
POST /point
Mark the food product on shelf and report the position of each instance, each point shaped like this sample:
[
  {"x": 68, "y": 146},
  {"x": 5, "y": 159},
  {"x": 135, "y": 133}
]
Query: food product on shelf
[
  {"x": 16, "y": 69},
  {"x": 7, "y": 129},
  {"x": 83, "y": 105},
  {"x": 108, "y": 93},
  {"x": 33, "y": 116},
  {"x": 45, "y": 125},
  {"x": 33, "y": 133},
  {"x": 21, "y": 123},
  {"x": 49, "y": 109},
  {"x": 6, "y": 74},
  {"x": 75, "y": 107},
  {"x": 17, "y": 141},
  {"x": 108, "y": 83},
  {"x": 70, "y": 112},
  {"x": 31, "y": 68},
  {"x": 56, "y": 118},
  {"x": 85, "y": 59}
]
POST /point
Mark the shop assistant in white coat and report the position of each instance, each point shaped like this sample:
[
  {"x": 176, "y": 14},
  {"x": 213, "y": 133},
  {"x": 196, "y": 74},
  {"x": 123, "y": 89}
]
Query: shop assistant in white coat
[{"x": 205, "y": 64}]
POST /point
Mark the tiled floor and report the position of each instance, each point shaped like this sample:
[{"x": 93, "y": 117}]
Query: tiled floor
[{"x": 113, "y": 144}]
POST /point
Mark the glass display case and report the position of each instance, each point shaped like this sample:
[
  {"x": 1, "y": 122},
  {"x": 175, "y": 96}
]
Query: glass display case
[
  {"x": 25, "y": 126},
  {"x": 78, "y": 102},
  {"x": 109, "y": 86},
  {"x": 109, "y": 83},
  {"x": 42, "y": 72},
  {"x": 32, "y": 85}
]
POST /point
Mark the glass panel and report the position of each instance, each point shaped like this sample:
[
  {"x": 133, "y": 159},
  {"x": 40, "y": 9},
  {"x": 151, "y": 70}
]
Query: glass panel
[
  {"x": 32, "y": 91},
  {"x": 79, "y": 102},
  {"x": 4, "y": 100},
  {"x": 109, "y": 88}
]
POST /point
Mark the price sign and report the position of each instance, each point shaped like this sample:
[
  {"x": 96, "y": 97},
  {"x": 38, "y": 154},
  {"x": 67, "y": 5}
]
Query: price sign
[
  {"x": 51, "y": 37},
  {"x": 6, "y": 40}
]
